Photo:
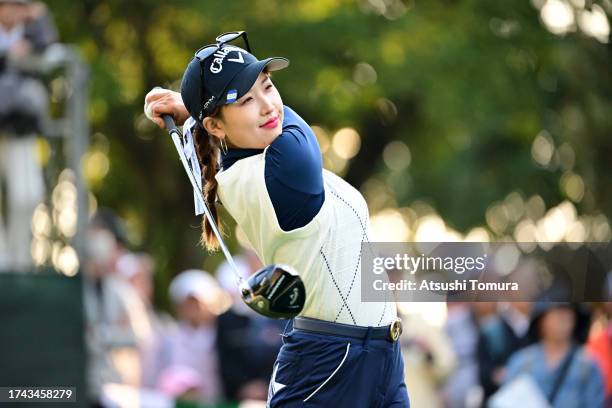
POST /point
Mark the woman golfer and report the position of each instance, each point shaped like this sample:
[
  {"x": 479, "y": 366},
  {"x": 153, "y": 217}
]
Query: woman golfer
[{"x": 263, "y": 163}]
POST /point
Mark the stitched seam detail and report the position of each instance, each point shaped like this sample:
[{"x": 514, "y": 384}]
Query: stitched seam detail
[
  {"x": 352, "y": 282},
  {"x": 348, "y": 347},
  {"x": 351, "y": 207},
  {"x": 336, "y": 285}
]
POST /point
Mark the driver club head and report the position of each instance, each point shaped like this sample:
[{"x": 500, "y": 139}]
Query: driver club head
[{"x": 275, "y": 291}]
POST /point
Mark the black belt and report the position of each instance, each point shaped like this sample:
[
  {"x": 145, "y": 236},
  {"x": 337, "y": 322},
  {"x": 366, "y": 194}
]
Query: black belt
[{"x": 390, "y": 332}]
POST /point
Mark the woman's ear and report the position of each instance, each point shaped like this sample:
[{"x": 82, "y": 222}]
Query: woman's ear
[{"x": 214, "y": 127}]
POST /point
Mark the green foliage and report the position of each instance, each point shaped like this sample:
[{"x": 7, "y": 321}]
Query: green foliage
[{"x": 467, "y": 85}]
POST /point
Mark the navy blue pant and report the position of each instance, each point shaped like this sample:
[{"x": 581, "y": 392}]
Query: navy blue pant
[{"x": 320, "y": 370}]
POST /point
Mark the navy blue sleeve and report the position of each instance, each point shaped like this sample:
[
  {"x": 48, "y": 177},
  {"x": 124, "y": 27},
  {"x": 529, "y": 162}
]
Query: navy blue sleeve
[{"x": 294, "y": 173}]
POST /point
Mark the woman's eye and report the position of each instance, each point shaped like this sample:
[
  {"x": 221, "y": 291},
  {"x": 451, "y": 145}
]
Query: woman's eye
[
  {"x": 246, "y": 100},
  {"x": 269, "y": 86}
]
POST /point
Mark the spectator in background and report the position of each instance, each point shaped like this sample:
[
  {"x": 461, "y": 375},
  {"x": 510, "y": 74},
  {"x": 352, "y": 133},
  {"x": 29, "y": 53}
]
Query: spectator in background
[
  {"x": 108, "y": 230},
  {"x": 112, "y": 309},
  {"x": 137, "y": 270},
  {"x": 153, "y": 328},
  {"x": 462, "y": 389},
  {"x": 564, "y": 373},
  {"x": 501, "y": 333},
  {"x": 428, "y": 360},
  {"x": 26, "y": 29},
  {"x": 247, "y": 342},
  {"x": 183, "y": 384},
  {"x": 600, "y": 346},
  {"x": 198, "y": 300}
]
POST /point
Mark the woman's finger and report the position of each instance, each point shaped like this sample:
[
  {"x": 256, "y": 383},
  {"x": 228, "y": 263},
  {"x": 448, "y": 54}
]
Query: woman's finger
[
  {"x": 148, "y": 110},
  {"x": 155, "y": 94},
  {"x": 160, "y": 108},
  {"x": 160, "y": 102},
  {"x": 159, "y": 122}
]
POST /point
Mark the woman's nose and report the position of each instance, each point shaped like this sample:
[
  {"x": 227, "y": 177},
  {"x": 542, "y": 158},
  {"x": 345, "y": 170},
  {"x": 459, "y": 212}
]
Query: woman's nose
[{"x": 266, "y": 105}]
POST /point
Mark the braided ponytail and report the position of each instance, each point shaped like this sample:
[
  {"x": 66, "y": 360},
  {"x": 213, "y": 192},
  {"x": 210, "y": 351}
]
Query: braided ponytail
[{"x": 207, "y": 149}]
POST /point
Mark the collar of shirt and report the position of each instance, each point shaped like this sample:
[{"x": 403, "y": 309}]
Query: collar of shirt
[{"x": 233, "y": 155}]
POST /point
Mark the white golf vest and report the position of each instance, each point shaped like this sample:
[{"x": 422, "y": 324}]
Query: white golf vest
[{"x": 326, "y": 252}]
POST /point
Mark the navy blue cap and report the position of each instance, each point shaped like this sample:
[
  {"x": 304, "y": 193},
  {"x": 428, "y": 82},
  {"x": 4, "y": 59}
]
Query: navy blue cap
[{"x": 228, "y": 74}]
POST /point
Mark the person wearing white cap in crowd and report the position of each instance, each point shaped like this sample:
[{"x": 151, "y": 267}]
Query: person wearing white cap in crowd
[{"x": 198, "y": 300}]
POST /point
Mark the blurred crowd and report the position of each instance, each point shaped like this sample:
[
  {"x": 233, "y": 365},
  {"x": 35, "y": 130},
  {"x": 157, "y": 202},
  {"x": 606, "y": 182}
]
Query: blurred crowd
[
  {"x": 212, "y": 350},
  {"x": 26, "y": 31},
  {"x": 534, "y": 354}
]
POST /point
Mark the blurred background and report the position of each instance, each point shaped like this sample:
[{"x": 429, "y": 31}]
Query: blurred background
[{"x": 457, "y": 120}]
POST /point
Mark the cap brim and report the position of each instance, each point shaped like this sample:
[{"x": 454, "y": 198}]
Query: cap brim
[{"x": 245, "y": 79}]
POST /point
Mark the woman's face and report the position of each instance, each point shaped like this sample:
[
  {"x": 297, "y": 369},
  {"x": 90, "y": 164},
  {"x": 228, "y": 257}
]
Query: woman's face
[
  {"x": 558, "y": 324},
  {"x": 253, "y": 121},
  {"x": 12, "y": 14},
  {"x": 195, "y": 312}
]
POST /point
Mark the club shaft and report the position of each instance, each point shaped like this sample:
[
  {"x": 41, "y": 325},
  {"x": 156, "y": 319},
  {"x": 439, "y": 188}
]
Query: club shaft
[{"x": 176, "y": 138}]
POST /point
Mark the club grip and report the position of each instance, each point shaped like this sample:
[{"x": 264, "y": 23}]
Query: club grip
[{"x": 169, "y": 122}]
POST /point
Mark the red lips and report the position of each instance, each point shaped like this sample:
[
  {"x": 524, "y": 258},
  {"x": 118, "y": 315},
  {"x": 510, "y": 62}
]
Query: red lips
[{"x": 271, "y": 124}]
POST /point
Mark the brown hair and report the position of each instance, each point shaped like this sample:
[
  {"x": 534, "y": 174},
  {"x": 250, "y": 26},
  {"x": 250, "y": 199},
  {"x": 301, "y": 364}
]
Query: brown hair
[{"x": 207, "y": 149}]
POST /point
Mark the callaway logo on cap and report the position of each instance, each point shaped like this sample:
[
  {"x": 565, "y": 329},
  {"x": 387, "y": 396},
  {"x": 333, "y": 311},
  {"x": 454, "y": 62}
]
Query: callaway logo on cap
[
  {"x": 221, "y": 78},
  {"x": 217, "y": 62}
]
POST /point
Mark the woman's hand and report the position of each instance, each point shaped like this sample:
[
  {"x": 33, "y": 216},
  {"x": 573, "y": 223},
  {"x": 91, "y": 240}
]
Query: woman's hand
[{"x": 160, "y": 101}]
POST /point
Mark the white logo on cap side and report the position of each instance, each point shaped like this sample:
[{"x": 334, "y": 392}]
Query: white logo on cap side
[{"x": 206, "y": 104}]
